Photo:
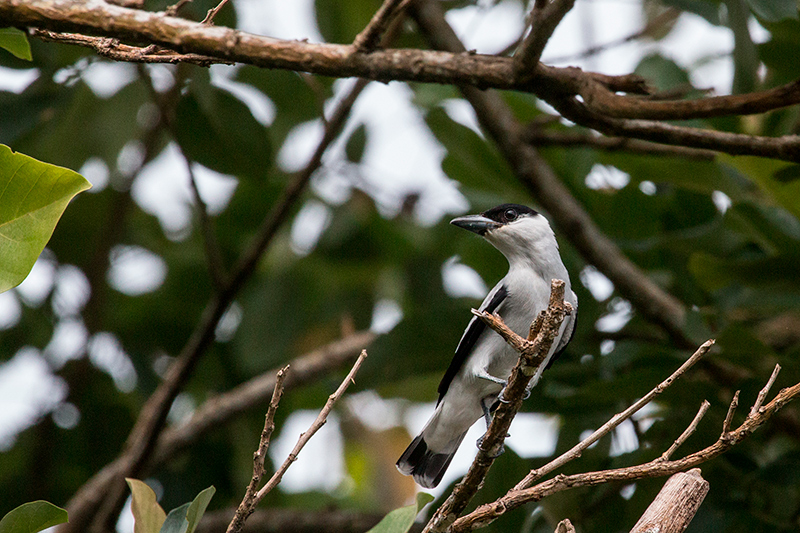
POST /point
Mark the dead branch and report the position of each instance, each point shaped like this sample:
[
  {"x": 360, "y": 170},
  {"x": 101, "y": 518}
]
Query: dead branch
[
  {"x": 615, "y": 421},
  {"x": 675, "y": 505},
  {"x": 252, "y": 497},
  {"x": 532, "y": 352},
  {"x": 247, "y": 506},
  {"x": 113, "y": 49},
  {"x": 487, "y": 513},
  {"x": 306, "y": 436}
]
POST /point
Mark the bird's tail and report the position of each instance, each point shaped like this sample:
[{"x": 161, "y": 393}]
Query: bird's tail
[{"x": 426, "y": 466}]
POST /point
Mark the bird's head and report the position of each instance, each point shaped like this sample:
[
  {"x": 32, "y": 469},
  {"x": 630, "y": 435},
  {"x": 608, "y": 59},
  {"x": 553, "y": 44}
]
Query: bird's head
[{"x": 516, "y": 230}]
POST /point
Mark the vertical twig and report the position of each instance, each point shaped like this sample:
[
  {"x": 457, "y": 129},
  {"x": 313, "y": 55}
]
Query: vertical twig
[
  {"x": 247, "y": 506},
  {"x": 763, "y": 394},
  {"x": 687, "y": 432}
]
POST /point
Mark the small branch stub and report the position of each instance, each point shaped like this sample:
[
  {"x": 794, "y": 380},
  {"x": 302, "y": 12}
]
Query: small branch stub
[{"x": 675, "y": 505}]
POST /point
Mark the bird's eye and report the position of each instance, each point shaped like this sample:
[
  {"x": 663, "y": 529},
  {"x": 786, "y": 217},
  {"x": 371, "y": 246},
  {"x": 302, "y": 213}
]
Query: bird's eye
[{"x": 510, "y": 215}]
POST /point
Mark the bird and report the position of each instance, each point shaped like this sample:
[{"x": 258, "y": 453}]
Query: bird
[{"x": 473, "y": 383}]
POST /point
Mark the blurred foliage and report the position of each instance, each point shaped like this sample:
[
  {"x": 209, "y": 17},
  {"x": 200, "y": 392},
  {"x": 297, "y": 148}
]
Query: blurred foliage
[{"x": 723, "y": 236}]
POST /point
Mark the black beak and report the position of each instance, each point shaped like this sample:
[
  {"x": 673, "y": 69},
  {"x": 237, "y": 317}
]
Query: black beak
[{"x": 475, "y": 223}]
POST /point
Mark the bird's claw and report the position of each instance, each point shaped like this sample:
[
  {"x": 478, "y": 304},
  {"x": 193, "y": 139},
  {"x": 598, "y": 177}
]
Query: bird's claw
[{"x": 499, "y": 452}]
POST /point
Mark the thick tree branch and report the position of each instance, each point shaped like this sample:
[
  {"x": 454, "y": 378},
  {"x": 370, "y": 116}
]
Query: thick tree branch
[
  {"x": 95, "y": 17},
  {"x": 676, "y": 504}
]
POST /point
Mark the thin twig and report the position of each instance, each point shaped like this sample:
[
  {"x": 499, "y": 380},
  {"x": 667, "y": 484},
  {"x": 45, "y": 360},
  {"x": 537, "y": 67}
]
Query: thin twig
[
  {"x": 668, "y": 16},
  {"x": 544, "y": 20},
  {"x": 304, "y": 437},
  {"x": 726, "y": 424},
  {"x": 113, "y": 49},
  {"x": 216, "y": 268},
  {"x": 536, "y": 136},
  {"x": 763, "y": 394},
  {"x": 687, "y": 432},
  {"x": 487, "y": 513},
  {"x": 213, "y": 13},
  {"x": 615, "y": 421},
  {"x": 247, "y": 505},
  {"x": 370, "y": 36}
]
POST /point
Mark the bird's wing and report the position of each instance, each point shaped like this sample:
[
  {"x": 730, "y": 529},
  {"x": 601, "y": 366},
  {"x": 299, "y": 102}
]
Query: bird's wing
[
  {"x": 569, "y": 330},
  {"x": 470, "y": 337}
]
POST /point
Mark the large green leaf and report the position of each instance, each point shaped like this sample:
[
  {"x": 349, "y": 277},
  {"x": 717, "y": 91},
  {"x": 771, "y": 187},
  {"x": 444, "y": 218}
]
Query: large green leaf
[
  {"x": 32, "y": 517},
  {"x": 16, "y": 42},
  {"x": 400, "y": 520},
  {"x": 33, "y": 195},
  {"x": 148, "y": 515}
]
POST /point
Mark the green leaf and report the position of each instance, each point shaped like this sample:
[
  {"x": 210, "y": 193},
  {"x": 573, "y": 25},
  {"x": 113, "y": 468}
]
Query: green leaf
[
  {"x": 355, "y": 144},
  {"x": 148, "y": 515},
  {"x": 774, "y": 10},
  {"x": 400, "y": 520},
  {"x": 16, "y": 42},
  {"x": 33, "y": 195},
  {"x": 176, "y": 520},
  {"x": 32, "y": 517},
  {"x": 198, "y": 507},
  {"x": 219, "y": 132}
]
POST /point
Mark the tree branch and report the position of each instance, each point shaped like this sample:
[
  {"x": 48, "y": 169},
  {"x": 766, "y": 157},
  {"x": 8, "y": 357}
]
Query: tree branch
[
  {"x": 615, "y": 421},
  {"x": 220, "y": 409},
  {"x": 370, "y": 36},
  {"x": 248, "y": 504},
  {"x": 488, "y": 513},
  {"x": 106, "y": 490},
  {"x": 537, "y": 136},
  {"x": 676, "y": 504},
  {"x": 306, "y": 436},
  {"x": 496, "y": 118},
  {"x": 543, "y": 22},
  {"x": 113, "y": 49},
  {"x": 786, "y": 147},
  {"x": 533, "y": 351}
]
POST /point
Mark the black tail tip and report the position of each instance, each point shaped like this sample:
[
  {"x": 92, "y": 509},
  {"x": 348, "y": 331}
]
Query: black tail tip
[{"x": 425, "y": 466}]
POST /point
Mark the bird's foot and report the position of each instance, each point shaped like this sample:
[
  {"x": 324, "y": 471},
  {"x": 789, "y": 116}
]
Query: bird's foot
[{"x": 499, "y": 452}]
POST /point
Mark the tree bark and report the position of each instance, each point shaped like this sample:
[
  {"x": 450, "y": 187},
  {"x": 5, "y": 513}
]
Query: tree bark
[{"x": 675, "y": 505}]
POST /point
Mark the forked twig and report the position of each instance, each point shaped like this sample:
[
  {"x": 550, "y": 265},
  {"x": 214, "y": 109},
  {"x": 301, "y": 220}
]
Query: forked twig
[
  {"x": 616, "y": 420},
  {"x": 248, "y": 504},
  {"x": 687, "y": 432}
]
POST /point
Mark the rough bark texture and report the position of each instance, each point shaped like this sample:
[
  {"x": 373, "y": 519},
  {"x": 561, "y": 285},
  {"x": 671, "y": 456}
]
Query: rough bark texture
[{"x": 675, "y": 505}]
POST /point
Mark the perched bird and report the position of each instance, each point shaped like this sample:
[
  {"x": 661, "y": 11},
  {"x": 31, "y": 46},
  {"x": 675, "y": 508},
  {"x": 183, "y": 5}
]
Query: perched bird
[{"x": 483, "y": 361}]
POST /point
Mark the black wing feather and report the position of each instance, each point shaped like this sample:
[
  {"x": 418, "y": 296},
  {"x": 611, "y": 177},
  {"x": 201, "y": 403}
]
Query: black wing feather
[{"x": 468, "y": 340}]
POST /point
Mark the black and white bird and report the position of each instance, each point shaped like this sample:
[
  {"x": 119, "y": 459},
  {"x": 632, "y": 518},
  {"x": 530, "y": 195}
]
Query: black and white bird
[{"x": 483, "y": 361}]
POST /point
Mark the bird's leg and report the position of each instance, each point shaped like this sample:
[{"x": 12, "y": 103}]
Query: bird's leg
[
  {"x": 483, "y": 374},
  {"x": 487, "y": 416}
]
